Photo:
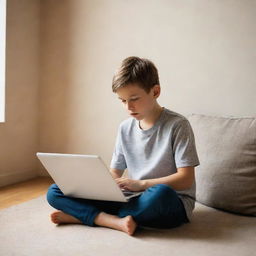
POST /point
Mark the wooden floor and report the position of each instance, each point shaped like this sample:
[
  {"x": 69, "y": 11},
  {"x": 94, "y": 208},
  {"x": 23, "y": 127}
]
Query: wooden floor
[{"x": 24, "y": 191}]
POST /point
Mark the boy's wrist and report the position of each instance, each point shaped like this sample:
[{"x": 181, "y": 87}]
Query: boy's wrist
[
  {"x": 149, "y": 183},
  {"x": 144, "y": 184}
]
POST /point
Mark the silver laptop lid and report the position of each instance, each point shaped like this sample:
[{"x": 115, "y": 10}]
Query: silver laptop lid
[{"x": 82, "y": 176}]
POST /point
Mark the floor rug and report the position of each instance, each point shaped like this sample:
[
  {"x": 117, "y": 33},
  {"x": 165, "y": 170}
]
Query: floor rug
[{"x": 25, "y": 229}]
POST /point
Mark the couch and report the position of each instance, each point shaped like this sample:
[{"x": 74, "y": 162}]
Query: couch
[{"x": 225, "y": 214}]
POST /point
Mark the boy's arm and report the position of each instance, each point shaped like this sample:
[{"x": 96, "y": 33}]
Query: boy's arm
[
  {"x": 182, "y": 180},
  {"x": 116, "y": 173}
]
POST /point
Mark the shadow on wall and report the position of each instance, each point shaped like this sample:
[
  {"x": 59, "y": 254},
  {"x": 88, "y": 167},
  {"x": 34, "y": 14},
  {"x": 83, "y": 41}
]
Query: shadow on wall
[
  {"x": 56, "y": 78},
  {"x": 56, "y": 83}
]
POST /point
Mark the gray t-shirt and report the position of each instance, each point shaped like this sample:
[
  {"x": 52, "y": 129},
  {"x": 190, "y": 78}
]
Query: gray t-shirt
[{"x": 158, "y": 151}]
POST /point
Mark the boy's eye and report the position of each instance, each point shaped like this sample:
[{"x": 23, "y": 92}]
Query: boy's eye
[{"x": 133, "y": 99}]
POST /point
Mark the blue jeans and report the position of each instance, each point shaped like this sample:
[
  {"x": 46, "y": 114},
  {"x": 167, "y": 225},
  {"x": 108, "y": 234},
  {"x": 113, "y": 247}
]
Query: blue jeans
[{"x": 158, "y": 206}]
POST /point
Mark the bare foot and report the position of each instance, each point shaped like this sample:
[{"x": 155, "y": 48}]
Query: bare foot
[
  {"x": 126, "y": 224},
  {"x": 59, "y": 217}
]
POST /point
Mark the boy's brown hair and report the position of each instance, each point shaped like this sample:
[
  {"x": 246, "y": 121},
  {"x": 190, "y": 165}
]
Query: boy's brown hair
[{"x": 133, "y": 70}]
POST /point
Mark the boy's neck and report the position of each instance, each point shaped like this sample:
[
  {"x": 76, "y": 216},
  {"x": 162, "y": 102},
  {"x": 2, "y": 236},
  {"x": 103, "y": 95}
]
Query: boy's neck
[{"x": 149, "y": 122}]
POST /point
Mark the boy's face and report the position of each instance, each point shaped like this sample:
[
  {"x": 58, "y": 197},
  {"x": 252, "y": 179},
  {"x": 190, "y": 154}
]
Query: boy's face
[{"x": 137, "y": 101}]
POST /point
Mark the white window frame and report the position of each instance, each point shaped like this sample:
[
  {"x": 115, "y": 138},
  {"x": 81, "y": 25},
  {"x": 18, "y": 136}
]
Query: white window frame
[{"x": 2, "y": 58}]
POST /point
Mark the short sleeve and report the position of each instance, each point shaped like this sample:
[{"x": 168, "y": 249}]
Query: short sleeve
[
  {"x": 118, "y": 159},
  {"x": 184, "y": 148}
]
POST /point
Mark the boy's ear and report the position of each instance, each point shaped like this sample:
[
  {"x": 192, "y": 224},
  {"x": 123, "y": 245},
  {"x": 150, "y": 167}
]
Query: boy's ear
[{"x": 156, "y": 90}]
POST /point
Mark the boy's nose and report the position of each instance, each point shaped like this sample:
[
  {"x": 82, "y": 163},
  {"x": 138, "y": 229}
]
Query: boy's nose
[{"x": 130, "y": 105}]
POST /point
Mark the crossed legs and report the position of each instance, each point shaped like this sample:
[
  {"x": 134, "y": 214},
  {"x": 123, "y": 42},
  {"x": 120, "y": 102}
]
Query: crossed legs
[{"x": 159, "y": 206}]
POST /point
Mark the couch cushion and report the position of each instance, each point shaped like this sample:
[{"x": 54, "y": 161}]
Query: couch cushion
[{"x": 226, "y": 177}]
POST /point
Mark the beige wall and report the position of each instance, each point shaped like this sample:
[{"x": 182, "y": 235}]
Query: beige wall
[
  {"x": 204, "y": 50},
  {"x": 19, "y": 134}
]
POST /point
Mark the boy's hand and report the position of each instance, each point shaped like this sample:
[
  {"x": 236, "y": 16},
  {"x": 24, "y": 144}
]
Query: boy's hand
[{"x": 129, "y": 184}]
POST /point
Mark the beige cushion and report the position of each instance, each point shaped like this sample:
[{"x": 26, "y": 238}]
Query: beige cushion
[{"x": 226, "y": 177}]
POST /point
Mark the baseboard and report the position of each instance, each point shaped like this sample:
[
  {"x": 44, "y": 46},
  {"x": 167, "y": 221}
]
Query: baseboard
[{"x": 15, "y": 177}]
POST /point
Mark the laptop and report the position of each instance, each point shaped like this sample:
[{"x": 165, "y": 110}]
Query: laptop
[{"x": 84, "y": 176}]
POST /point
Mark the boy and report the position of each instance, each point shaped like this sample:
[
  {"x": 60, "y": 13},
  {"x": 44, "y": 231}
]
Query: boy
[{"x": 157, "y": 148}]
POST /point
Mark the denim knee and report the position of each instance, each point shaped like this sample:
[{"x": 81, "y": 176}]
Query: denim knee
[
  {"x": 163, "y": 195},
  {"x": 53, "y": 193},
  {"x": 163, "y": 190},
  {"x": 162, "y": 187}
]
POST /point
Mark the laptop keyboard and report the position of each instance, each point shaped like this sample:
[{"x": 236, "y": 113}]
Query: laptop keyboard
[{"x": 130, "y": 194}]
